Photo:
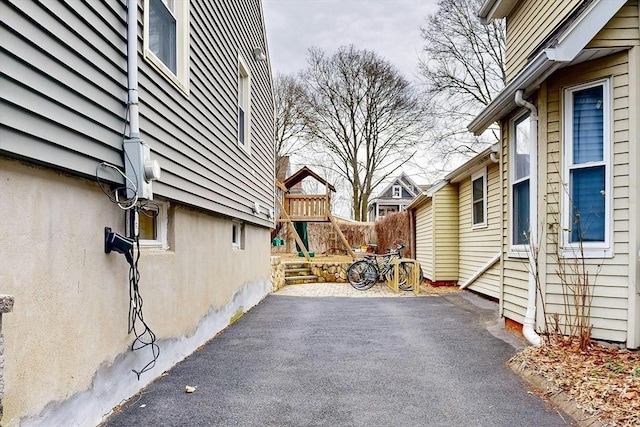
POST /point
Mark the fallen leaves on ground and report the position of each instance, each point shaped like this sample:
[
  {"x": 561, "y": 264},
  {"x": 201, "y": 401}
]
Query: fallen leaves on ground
[
  {"x": 427, "y": 288},
  {"x": 603, "y": 381}
]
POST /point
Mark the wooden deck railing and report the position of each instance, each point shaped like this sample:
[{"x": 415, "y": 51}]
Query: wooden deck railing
[{"x": 307, "y": 207}]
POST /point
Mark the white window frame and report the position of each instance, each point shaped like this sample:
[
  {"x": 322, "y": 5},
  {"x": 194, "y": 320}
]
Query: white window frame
[
  {"x": 481, "y": 174},
  {"x": 399, "y": 191},
  {"x": 602, "y": 249},
  {"x": 181, "y": 77},
  {"x": 162, "y": 225},
  {"x": 244, "y": 102},
  {"x": 519, "y": 250},
  {"x": 237, "y": 234}
]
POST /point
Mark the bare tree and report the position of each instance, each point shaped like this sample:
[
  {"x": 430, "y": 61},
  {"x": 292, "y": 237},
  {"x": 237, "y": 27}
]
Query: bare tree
[
  {"x": 360, "y": 110},
  {"x": 289, "y": 123},
  {"x": 463, "y": 70}
]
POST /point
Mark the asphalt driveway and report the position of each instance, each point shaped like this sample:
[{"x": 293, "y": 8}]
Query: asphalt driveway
[{"x": 331, "y": 361}]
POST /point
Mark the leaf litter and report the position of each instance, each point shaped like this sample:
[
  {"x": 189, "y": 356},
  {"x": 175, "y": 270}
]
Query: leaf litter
[{"x": 604, "y": 381}]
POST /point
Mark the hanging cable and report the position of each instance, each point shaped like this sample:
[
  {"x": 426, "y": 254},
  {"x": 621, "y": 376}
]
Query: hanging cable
[
  {"x": 144, "y": 336},
  {"x": 115, "y": 198}
]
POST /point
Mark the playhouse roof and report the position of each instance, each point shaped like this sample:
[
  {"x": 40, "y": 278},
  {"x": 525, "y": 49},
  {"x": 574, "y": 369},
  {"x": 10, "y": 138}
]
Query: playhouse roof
[{"x": 301, "y": 174}]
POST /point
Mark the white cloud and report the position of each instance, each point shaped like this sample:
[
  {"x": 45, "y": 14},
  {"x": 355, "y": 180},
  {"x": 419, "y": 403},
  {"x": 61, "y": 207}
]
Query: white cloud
[{"x": 391, "y": 28}]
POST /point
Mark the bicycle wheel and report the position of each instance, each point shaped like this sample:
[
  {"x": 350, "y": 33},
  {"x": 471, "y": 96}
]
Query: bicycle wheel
[
  {"x": 404, "y": 271},
  {"x": 362, "y": 275}
]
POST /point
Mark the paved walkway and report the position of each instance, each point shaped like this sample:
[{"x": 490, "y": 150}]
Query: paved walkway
[
  {"x": 342, "y": 290},
  {"x": 335, "y": 361}
]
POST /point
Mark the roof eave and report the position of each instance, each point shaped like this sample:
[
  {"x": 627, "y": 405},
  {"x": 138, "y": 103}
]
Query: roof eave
[
  {"x": 569, "y": 46},
  {"x": 495, "y": 9},
  {"x": 466, "y": 169},
  {"x": 504, "y": 102}
]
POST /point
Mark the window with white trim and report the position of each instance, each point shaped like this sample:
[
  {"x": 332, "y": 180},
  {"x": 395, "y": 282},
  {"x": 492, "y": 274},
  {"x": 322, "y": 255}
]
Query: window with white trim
[
  {"x": 520, "y": 181},
  {"x": 479, "y": 199},
  {"x": 153, "y": 223},
  {"x": 166, "y": 39},
  {"x": 586, "y": 170},
  {"x": 244, "y": 103},
  {"x": 237, "y": 234},
  {"x": 396, "y": 191}
]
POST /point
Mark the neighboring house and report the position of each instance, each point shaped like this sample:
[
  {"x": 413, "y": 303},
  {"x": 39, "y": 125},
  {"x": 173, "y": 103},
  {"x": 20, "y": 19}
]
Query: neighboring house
[
  {"x": 569, "y": 154},
  {"x": 394, "y": 198},
  {"x": 457, "y": 227},
  {"x": 76, "y": 100}
]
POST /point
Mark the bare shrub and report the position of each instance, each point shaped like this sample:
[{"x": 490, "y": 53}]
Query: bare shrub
[{"x": 394, "y": 229}]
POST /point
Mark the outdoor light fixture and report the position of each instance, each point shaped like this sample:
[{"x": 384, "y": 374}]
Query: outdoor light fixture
[{"x": 258, "y": 54}]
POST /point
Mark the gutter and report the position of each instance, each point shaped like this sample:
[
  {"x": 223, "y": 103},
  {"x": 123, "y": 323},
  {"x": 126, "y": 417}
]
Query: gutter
[
  {"x": 528, "y": 328},
  {"x": 567, "y": 49}
]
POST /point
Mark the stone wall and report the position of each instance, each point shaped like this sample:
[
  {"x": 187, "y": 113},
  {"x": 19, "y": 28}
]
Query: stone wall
[
  {"x": 277, "y": 273},
  {"x": 330, "y": 272}
]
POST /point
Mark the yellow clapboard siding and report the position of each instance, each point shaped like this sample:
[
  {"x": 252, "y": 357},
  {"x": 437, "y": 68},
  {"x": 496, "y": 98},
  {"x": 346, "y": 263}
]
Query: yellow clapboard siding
[{"x": 527, "y": 25}]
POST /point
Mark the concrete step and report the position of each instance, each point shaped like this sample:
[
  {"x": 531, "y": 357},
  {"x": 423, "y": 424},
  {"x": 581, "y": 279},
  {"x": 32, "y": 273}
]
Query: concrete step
[
  {"x": 300, "y": 279},
  {"x": 297, "y": 270},
  {"x": 295, "y": 264}
]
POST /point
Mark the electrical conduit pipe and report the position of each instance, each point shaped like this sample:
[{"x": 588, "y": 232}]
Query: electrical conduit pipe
[
  {"x": 132, "y": 67},
  {"x": 528, "y": 328}
]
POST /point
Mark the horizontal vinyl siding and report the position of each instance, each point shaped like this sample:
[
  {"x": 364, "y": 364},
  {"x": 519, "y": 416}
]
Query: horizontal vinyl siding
[
  {"x": 489, "y": 282},
  {"x": 621, "y": 30},
  {"x": 528, "y": 25},
  {"x": 197, "y": 139},
  {"x": 445, "y": 223},
  {"x": 479, "y": 245},
  {"x": 63, "y": 70},
  {"x": 63, "y": 83},
  {"x": 610, "y": 275},
  {"x": 424, "y": 238}
]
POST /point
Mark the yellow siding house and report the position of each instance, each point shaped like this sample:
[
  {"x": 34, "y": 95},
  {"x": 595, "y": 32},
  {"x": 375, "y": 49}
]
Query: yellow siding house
[
  {"x": 569, "y": 161},
  {"x": 457, "y": 226}
]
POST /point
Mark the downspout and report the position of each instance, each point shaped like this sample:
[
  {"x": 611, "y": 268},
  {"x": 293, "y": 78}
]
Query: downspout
[{"x": 528, "y": 328}]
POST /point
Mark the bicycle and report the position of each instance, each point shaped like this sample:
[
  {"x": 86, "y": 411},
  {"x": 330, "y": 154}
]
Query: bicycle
[{"x": 365, "y": 273}]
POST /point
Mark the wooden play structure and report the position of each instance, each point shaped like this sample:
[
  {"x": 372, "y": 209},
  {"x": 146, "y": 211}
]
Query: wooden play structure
[{"x": 294, "y": 206}]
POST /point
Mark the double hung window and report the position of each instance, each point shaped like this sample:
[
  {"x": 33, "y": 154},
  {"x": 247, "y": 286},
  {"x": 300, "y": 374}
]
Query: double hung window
[
  {"x": 166, "y": 38},
  {"x": 244, "y": 103},
  {"x": 479, "y": 199},
  {"x": 520, "y": 172},
  {"x": 396, "y": 191},
  {"x": 587, "y": 198}
]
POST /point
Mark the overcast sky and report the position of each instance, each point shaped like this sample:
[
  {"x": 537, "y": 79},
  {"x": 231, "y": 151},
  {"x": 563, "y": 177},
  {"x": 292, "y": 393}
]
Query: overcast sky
[{"x": 389, "y": 27}]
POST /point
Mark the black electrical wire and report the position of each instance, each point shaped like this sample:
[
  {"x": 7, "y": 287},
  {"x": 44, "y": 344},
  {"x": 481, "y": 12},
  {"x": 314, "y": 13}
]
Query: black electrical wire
[{"x": 144, "y": 336}]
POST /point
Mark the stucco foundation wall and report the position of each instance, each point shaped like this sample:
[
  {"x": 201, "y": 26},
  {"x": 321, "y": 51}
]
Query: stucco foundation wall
[{"x": 67, "y": 356}]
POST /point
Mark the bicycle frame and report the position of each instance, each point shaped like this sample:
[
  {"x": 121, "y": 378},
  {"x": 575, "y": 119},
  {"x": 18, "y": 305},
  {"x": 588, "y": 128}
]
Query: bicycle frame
[{"x": 383, "y": 263}]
